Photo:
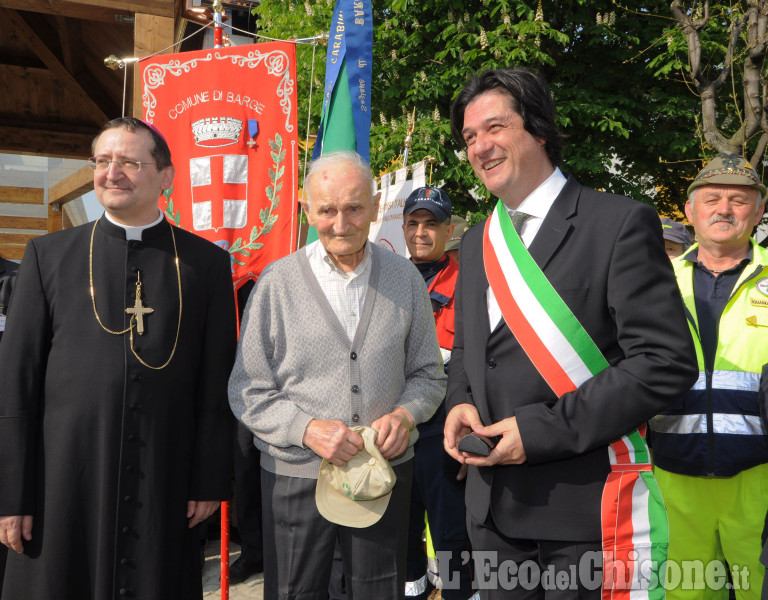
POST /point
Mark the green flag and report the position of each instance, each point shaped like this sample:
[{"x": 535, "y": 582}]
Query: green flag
[{"x": 338, "y": 128}]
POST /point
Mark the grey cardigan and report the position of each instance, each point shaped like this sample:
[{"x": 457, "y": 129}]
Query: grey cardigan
[{"x": 295, "y": 362}]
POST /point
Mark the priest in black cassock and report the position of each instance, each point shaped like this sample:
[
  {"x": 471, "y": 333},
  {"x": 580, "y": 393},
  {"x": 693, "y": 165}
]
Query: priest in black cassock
[{"x": 115, "y": 428}]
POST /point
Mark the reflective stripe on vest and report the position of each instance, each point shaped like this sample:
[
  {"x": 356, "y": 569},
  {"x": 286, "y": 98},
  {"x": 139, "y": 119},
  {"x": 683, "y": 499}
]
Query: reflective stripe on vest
[
  {"x": 416, "y": 588},
  {"x": 729, "y": 380},
  {"x": 725, "y": 423},
  {"x": 715, "y": 429}
]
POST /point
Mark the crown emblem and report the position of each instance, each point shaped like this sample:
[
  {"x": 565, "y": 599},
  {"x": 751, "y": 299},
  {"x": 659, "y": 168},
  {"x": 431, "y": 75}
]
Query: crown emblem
[{"x": 214, "y": 132}]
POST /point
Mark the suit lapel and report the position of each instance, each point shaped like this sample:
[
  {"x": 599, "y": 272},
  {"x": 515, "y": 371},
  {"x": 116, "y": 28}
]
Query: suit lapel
[
  {"x": 485, "y": 324},
  {"x": 556, "y": 225},
  {"x": 477, "y": 285}
]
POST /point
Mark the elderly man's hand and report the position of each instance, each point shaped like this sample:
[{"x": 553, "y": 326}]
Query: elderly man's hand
[
  {"x": 13, "y": 529},
  {"x": 332, "y": 440},
  {"x": 394, "y": 432}
]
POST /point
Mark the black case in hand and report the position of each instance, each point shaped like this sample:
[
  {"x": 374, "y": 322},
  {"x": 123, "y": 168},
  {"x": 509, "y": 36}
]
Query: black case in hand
[{"x": 472, "y": 444}]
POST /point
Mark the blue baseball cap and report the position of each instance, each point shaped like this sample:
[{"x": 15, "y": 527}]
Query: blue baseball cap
[
  {"x": 675, "y": 232},
  {"x": 429, "y": 198}
]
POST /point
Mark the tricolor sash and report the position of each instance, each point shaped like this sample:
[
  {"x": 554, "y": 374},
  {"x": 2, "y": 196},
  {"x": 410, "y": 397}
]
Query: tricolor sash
[{"x": 634, "y": 519}]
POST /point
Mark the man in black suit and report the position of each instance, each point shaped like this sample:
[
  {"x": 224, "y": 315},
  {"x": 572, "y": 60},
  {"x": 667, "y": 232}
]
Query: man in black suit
[
  {"x": 8, "y": 272},
  {"x": 537, "y": 495}
]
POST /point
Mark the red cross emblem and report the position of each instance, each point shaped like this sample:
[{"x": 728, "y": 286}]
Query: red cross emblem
[{"x": 219, "y": 191}]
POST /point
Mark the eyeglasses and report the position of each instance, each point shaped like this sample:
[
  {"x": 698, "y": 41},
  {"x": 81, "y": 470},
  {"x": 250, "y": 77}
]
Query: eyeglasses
[{"x": 100, "y": 165}]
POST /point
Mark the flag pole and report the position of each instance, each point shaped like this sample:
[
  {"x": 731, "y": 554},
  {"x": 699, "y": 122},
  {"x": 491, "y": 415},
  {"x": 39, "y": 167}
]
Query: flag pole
[
  {"x": 224, "y": 576},
  {"x": 217, "y": 31},
  {"x": 408, "y": 143},
  {"x": 225, "y": 551}
]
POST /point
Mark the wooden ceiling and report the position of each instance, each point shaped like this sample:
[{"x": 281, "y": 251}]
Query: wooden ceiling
[{"x": 55, "y": 91}]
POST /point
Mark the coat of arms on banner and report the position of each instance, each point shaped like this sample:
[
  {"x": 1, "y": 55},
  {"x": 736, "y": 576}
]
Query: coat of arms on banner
[{"x": 229, "y": 115}]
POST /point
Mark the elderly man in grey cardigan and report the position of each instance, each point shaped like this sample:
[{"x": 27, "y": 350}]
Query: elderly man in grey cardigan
[{"x": 338, "y": 334}]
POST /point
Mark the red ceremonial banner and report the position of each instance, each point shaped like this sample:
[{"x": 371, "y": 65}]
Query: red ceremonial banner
[{"x": 229, "y": 115}]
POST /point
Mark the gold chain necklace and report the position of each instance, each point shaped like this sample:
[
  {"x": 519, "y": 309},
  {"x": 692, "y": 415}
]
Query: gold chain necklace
[{"x": 138, "y": 311}]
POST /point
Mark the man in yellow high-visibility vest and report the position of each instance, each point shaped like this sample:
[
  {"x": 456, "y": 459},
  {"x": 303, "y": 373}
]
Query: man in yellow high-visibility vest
[{"x": 711, "y": 449}]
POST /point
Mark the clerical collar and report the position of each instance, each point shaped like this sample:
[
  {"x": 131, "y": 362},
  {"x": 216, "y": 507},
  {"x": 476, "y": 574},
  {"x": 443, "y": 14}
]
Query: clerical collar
[{"x": 134, "y": 232}]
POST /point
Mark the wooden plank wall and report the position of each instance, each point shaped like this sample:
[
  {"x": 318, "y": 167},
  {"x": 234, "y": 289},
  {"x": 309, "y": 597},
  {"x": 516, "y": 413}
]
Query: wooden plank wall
[{"x": 11, "y": 243}]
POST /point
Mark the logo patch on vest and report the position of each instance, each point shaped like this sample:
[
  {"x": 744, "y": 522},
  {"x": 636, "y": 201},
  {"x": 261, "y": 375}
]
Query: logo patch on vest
[{"x": 762, "y": 287}]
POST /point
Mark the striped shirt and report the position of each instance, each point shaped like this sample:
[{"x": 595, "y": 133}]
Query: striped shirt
[{"x": 345, "y": 291}]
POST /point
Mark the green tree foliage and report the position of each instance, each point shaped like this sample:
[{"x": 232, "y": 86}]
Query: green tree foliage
[{"x": 628, "y": 132}]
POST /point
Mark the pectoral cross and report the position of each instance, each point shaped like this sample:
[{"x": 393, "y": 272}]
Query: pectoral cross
[{"x": 139, "y": 310}]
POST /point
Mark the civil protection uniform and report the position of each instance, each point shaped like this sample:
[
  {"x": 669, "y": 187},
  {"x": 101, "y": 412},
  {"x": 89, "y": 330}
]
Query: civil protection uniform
[
  {"x": 710, "y": 449},
  {"x": 435, "y": 488},
  {"x": 441, "y": 291},
  {"x": 763, "y": 402}
]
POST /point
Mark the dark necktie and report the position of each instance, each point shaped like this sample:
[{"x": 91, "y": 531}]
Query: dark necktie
[{"x": 518, "y": 218}]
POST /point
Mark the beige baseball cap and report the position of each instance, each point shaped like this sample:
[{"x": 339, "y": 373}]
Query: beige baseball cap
[
  {"x": 357, "y": 493},
  {"x": 459, "y": 227}
]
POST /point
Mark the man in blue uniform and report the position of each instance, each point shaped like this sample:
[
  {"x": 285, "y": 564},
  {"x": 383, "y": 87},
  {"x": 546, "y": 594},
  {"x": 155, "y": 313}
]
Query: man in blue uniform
[{"x": 437, "y": 487}]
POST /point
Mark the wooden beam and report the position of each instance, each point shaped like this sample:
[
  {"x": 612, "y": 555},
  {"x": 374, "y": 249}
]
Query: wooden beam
[
  {"x": 93, "y": 10},
  {"x": 99, "y": 91},
  {"x": 74, "y": 186},
  {"x": 180, "y": 28},
  {"x": 71, "y": 36},
  {"x": 150, "y": 34},
  {"x": 40, "y": 48},
  {"x": 66, "y": 221},
  {"x": 61, "y": 144},
  {"x": 22, "y": 62},
  {"x": 55, "y": 218},
  {"x": 158, "y": 8},
  {"x": 17, "y": 238},
  {"x": 22, "y": 195},
  {"x": 12, "y": 251},
  {"x": 33, "y": 223}
]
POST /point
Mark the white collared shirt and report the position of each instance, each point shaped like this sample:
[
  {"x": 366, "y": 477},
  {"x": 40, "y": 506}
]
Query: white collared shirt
[
  {"x": 134, "y": 233},
  {"x": 536, "y": 204},
  {"x": 345, "y": 291}
]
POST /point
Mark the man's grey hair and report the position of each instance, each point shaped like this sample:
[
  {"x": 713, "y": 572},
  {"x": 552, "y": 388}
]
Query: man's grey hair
[
  {"x": 353, "y": 159},
  {"x": 760, "y": 198}
]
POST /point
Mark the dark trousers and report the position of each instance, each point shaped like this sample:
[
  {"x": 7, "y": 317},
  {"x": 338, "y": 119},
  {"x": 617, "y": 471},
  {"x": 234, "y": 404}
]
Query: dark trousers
[
  {"x": 3, "y": 556},
  {"x": 519, "y": 569},
  {"x": 337, "y": 587},
  {"x": 299, "y": 543},
  {"x": 436, "y": 491},
  {"x": 248, "y": 494}
]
